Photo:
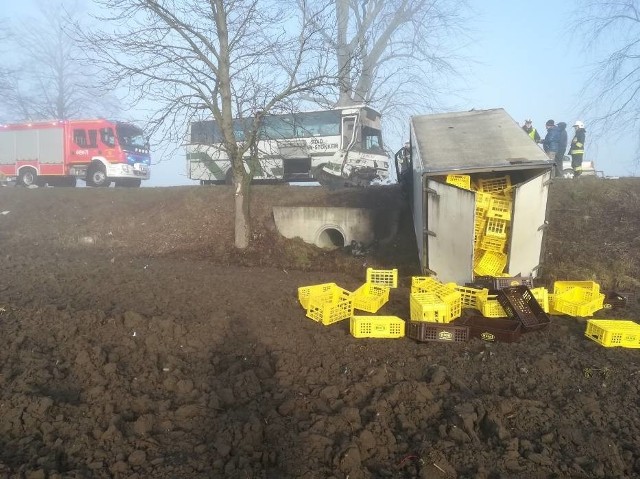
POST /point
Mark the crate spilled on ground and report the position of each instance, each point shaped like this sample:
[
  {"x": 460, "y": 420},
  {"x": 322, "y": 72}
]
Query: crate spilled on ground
[{"x": 495, "y": 309}]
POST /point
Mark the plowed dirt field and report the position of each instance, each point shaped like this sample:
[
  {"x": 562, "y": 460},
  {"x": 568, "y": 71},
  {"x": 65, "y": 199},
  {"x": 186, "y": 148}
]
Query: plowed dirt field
[{"x": 135, "y": 342}]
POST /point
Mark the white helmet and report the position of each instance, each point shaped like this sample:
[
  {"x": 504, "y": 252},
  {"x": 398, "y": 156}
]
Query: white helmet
[{"x": 579, "y": 124}]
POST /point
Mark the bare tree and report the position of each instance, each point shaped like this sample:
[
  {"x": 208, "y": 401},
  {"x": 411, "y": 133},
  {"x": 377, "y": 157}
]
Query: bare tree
[
  {"x": 5, "y": 72},
  {"x": 392, "y": 54},
  {"x": 230, "y": 59},
  {"x": 611, "y": 33},
  {"x": 49, "y": 78}
]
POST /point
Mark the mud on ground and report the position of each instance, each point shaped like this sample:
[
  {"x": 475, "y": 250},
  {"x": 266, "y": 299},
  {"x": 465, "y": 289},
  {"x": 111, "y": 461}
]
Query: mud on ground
[{"x": 136, "y": 342}]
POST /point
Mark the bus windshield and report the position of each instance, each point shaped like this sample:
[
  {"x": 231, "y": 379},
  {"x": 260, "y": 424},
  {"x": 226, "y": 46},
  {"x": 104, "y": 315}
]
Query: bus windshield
[{"x": 371, "y": 139}]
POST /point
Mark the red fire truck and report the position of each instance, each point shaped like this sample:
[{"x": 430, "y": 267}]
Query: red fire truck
[{"x": 58, "y": 152}]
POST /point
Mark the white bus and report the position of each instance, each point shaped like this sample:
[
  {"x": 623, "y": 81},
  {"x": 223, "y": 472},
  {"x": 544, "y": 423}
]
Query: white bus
[{"x": 342, "y": 145}]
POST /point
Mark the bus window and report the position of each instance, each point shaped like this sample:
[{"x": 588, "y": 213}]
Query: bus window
[
  {"x": 278, "y": 127},
  {"x": 241, "y": 126},
  {"x": 371, "y": 139}
]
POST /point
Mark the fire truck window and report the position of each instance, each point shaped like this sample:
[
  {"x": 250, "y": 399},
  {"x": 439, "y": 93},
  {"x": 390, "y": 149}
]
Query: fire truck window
[
  {"x": 80, "y": 138},
  {"x": 93, "y": 139},
  {"x": 107, "y": 137}
]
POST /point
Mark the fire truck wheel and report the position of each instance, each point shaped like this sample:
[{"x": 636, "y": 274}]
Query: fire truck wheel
[
  {"x": 97, "y": 176},
  {"x": 27, "y": 177}
]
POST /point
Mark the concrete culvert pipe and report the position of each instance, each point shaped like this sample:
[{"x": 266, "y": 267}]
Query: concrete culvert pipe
[{"x": 330, "y": 238}]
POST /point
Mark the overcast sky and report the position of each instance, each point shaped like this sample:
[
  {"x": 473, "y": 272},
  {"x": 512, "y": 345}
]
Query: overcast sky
[{"x": 524, "y": 60}]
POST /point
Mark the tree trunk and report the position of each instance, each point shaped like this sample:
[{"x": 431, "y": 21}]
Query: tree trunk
[
  {"x": 343, "y": 53},
  {"x": 242, "y": 219}
]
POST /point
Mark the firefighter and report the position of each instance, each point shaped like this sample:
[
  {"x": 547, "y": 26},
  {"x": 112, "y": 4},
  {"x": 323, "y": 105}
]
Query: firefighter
[
  {"x": 577, "y": 147},
  {"x": 531, "y": 131}
]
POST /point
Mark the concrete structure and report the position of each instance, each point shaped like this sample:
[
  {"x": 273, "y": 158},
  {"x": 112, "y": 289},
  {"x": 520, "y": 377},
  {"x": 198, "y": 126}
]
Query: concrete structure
[{"x": 334, "y": 227}]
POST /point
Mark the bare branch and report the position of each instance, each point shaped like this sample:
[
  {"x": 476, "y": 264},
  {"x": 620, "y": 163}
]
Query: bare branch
[{"x": 611, "y": 33}]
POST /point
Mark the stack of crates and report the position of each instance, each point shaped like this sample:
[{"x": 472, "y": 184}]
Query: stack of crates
[
  {"x": 434, "y": 301},
  {"x": 577, "y": 298},
  {"x": 370, "y": 297},
  {"x": 494, "y": 203}
]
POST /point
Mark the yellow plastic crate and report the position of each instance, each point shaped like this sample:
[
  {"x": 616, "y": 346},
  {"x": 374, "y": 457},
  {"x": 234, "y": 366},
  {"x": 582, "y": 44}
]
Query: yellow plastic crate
[
  {"x": 478, "y": 229},
  {"x": 376, "y": 327},
  {"x": 563, "y": 286},
  {"x": 494, "y": 185},
  {"x": 370, "y": 297},
  {"x": 542, "y": 297},
  {"x": 331, "y": 307},
  {"x": 305, "y": 292},
  {"x": 383, "y": 277},
  {"x": 614, "y": 333},
  {"x": 578, "y": 302},
  {"x": 428, "y": 284},
  {"x": 469, "y": 296},
  {"x": 461, "y": 181},
  {"x": 483, "y": 200},
  {"x": 428, "y": 307},
  {"x": 500, "y": 208},
  {"x": 489, "y": 263},
  {"x": 552, "y": 307},
  {"x": 445, "y": 292},
  {"x": 489, "y": 307},
  {"x": 491, "y": 243},
  {"x": 497, "y": 228}
]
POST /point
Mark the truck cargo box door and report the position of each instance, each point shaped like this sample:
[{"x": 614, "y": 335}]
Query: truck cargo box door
[
  {"x": 529, "y": 212},
  {"x": 448, "y": 234}
]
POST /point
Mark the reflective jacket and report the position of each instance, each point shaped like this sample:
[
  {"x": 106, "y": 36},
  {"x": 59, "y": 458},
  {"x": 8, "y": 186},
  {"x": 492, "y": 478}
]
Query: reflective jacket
[
  {"x": 533, "y": 133},
  {"x": 577, "y": 144}
]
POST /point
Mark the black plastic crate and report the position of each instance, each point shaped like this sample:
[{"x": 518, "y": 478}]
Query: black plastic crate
[
  {"x": 613, "y": 300},
  {"x": 444, "y": 333},
  {"x": 496, "y": 283},
  {"x": 519, "y": 303},
  {"x": 491, "y": 329}
]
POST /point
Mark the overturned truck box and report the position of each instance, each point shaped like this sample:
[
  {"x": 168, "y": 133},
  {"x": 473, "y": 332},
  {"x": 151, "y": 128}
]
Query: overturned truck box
[{"x": 480, "y": 146}]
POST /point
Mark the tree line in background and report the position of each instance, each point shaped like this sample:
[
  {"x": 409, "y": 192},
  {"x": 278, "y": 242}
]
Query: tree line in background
[
  {"x": 180, "y": 60},
  {"x": 45, "y": 74}
]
